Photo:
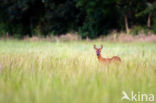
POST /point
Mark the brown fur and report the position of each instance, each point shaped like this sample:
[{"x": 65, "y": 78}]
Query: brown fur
[{"x": 105, "y": 60}]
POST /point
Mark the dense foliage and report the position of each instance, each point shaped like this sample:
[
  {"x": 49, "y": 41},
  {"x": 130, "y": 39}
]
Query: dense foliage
[{"x": 88, "y": 17}]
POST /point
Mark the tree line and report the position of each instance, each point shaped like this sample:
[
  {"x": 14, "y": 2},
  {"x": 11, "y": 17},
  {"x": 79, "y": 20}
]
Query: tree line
[{"x": 90, "y": 18}]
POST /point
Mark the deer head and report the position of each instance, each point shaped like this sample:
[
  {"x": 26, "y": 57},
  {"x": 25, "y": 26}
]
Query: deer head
[{"x": 98, "y": 50}]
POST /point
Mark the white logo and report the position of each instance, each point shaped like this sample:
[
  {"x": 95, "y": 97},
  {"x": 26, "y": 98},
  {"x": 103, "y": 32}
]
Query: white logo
[{"x": 137, "y": 96}]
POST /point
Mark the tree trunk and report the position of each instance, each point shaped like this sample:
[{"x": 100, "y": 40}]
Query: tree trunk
[
  {"x": 7, "y": 35},
  {"x": 149, "y": 22},
  {"x": 126, "y": 24}
]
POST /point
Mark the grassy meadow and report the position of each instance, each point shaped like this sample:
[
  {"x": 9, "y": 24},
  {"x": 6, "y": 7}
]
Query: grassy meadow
[{"x": 69, "y": 72}]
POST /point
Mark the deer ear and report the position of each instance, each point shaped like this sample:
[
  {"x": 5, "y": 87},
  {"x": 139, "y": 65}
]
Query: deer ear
[
  {"x": 101, "y": 46},
  {"x": 95, "y": 47}
]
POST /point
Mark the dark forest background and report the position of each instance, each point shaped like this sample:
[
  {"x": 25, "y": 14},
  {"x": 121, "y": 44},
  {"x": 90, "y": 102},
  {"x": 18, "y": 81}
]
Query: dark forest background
[{"x": 90, "y": 18}]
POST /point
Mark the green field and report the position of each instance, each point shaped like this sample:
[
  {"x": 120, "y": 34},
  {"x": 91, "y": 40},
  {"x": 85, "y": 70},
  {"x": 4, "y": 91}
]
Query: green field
[{"x": 69, "y": 72}]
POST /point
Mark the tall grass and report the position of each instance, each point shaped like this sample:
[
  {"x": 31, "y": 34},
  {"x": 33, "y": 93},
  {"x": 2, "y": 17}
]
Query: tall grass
[{"x": 69, "y": 72}]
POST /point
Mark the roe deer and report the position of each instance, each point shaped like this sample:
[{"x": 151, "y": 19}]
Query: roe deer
[{"x": 105, "y": 60}]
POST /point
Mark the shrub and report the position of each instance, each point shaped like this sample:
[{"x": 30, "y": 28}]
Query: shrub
[{"x": 137, "y": 29}]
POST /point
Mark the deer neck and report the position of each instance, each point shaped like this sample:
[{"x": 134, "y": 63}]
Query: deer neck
[{"x": 100, "y": 57}]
